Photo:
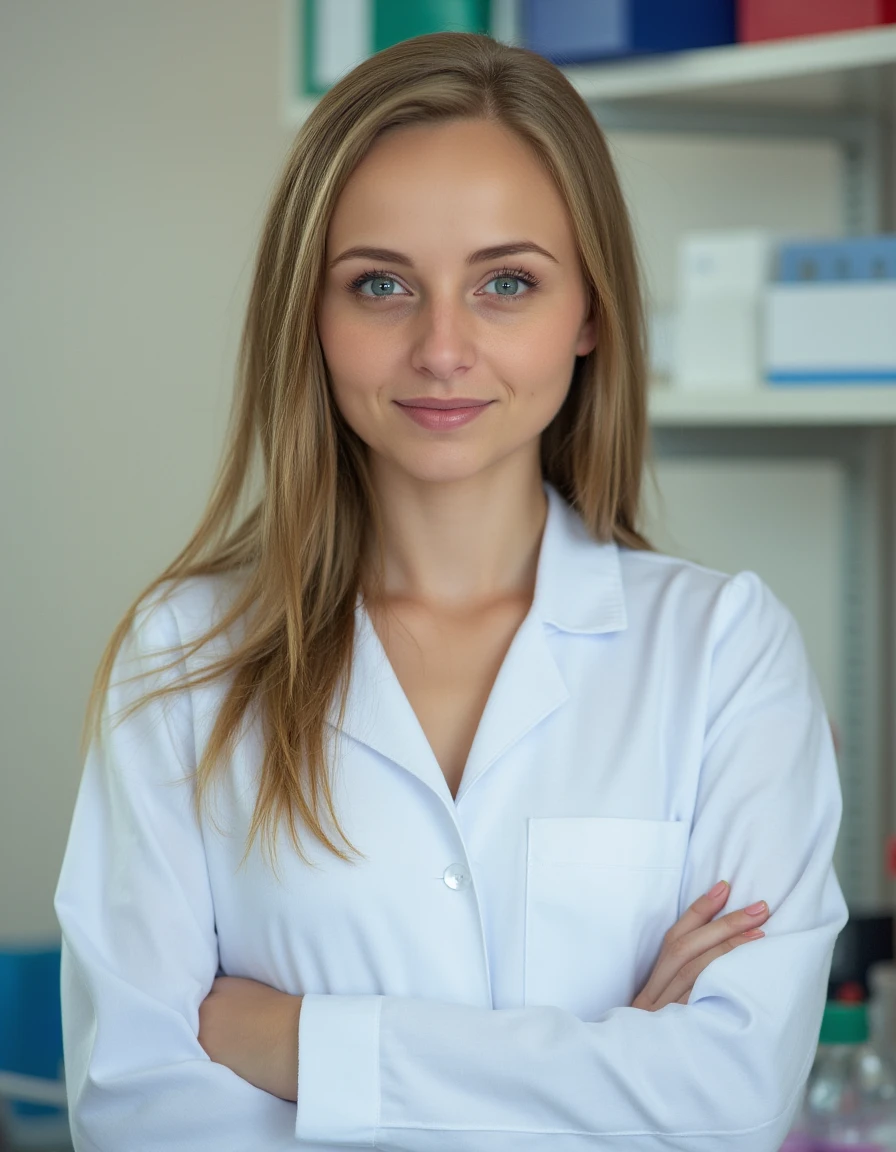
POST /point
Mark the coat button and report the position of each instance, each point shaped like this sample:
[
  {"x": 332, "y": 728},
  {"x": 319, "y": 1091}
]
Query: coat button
[{"x": 456, "y": 876}]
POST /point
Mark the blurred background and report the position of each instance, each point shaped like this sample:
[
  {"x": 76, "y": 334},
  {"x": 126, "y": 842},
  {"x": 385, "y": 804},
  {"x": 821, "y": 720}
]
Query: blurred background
[{"x": 140, "y": 142}]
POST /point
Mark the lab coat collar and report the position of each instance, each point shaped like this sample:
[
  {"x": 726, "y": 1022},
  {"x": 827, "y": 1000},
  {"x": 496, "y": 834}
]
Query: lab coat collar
[
  {"x": 578, "y": 590},
  {"x": 578, "y": 586}
]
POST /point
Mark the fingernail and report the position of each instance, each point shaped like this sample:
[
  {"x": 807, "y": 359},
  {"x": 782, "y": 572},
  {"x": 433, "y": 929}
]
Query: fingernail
[
  {"x": 718, "y": 889},
  {"x": 756, "y": 909}
]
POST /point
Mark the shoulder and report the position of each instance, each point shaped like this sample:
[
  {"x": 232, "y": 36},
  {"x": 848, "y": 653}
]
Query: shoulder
[
  {"x": 196, "y": 603},
  {"x": 728, "y": 633},
  {"x": 723, "y": 604},
  {"x": 652, "y": 576},
  {"x": 179, "y": 612}
]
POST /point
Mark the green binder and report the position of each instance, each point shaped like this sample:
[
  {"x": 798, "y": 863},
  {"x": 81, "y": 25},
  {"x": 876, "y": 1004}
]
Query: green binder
[
  {"x": 396, "y": 20},
  {"x": 338, "y": 34}
]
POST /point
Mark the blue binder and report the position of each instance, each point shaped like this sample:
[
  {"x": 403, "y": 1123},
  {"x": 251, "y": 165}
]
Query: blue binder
[{"x": 579, "y": 31}]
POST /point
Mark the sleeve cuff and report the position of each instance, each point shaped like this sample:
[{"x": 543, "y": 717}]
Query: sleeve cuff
[{"x": 338, "y": 1094}]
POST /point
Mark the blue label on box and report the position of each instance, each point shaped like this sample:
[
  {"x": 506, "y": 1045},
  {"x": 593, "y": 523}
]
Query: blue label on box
[
  {"x": 863, "y": 376},
  {"x": 854, "y": 258}
]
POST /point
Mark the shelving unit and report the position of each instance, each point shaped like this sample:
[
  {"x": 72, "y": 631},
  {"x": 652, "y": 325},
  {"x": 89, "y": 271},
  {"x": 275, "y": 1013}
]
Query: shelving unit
[
  {"x": 714, "y": 71},
  {"x": 840, "y": 88},
  {"x": 800, "y": 407}
]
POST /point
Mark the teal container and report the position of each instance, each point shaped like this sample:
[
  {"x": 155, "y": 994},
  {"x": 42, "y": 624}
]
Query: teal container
[
  {"x": 396, "y": 20},
  {"x": 335, "y": 37},
  {"x": 31, "y": 1020}
]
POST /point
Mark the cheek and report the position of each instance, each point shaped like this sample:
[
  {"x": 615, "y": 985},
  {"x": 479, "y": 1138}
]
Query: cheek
[
  {"x": 541, "y": 377},
  {"x": 357, "y": 359},
  {"x": 338, "y": 341}
]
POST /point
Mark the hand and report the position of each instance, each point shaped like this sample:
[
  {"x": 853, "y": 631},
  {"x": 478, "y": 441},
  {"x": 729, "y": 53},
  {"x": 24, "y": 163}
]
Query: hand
[
  {"x": 690, "y": 945},
  {"x": 253, "y": 1029}
]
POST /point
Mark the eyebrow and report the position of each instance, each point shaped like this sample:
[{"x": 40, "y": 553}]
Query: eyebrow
[{"x": 495, "y": 252}]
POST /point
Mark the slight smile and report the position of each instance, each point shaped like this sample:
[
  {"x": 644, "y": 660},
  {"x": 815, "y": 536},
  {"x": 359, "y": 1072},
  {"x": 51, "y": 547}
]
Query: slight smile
[{"x": 442, "y": 419}]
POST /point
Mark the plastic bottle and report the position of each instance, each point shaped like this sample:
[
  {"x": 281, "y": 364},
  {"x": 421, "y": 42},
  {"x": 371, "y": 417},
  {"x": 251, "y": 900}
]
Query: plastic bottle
[
  {"x": 882, "y": 1007},
  {"x": 850, "y": 1096},
  {"x": 797, "y": 1141}
]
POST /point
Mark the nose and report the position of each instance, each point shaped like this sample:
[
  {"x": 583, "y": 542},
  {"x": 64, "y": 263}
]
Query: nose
[{"x": 444, "y": 339}]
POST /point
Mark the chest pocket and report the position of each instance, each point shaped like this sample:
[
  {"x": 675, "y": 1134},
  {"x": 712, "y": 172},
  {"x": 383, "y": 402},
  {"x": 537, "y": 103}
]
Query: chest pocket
[{"x": 601, "y": 892}]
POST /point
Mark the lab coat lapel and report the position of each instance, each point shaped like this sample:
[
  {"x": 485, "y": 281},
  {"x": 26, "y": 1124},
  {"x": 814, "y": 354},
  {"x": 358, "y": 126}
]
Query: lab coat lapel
[
  {"x": 379, "y": 714},
  {"x": 529, "y": 686},
  {"x": 578, "y": 589}
]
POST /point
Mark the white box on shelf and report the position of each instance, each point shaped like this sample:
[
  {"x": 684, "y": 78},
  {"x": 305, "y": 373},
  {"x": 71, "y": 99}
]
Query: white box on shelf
[
  {"x": 662, "y": 324},
  {"x": 738, "y": 261},
  {"x": 718, "y": 344},
  {"x": 830, "y": 332},
  {"x": 722, "y": 278}
]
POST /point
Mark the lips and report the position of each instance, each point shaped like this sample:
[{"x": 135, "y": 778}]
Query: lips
[
  {"x": 443, "y": 419},
  {"x": 442, "y": 405}
]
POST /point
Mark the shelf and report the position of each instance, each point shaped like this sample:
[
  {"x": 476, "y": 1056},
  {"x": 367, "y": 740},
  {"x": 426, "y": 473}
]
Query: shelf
[
  {"x": 711, "y": 71},
  {"x": 802, "y": 405},
  {"x": 842, "y": 73}
]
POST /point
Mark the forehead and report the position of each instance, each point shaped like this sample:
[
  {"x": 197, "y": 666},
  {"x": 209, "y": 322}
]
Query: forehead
[{"x": 467, "y": 179}]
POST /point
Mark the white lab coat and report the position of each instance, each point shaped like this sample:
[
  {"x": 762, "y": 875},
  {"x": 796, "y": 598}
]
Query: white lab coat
[{"x": 655, "y": 727}]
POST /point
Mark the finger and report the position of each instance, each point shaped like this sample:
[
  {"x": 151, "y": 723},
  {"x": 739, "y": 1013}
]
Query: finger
[
  {"x": 677, "y": 951},
  {"x": 686, "y": 949},
  {"x": 684, "y": 980},
  {"x": 700, "y": 912}
]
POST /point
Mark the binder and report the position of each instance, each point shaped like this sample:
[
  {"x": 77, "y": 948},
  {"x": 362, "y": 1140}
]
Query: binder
[
  {"x": 579, "y": 31},
  {"x": 339, "y": 34},
  {"x": 781, "y": 19}
]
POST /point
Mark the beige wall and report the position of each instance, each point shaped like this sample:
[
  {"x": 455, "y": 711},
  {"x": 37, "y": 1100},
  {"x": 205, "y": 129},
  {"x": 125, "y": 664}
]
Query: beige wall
[{"x": 140, "y": 140}]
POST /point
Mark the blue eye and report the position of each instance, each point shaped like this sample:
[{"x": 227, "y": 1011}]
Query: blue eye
[
  {"x": 380, "y": 279},
  {"x": 512, "y": 274}
]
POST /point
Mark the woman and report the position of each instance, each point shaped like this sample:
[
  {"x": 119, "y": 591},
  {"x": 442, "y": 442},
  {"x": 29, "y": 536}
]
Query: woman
[{"x": 440, "y": 630}]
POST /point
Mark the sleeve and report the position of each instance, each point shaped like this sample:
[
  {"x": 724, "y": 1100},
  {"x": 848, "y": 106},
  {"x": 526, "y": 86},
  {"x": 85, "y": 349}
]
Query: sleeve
[
  {"x": 139, "y": 946},
  {"x": 723, "y": 1072}
]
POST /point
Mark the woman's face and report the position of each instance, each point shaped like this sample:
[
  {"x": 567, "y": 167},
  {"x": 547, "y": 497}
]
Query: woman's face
[{"x": 430, "y": 315}]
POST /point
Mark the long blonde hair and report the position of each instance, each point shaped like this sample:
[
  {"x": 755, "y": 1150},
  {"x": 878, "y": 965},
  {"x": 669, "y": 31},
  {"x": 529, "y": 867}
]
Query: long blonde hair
[{"x": 297, "y": 551}]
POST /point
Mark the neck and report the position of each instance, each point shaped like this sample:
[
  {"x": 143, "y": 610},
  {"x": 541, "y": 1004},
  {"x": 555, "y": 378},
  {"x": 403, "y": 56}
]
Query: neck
[{"x": 461, "y": 544}]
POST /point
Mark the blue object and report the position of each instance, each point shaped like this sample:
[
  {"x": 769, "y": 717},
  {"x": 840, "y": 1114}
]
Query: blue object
[
  {"x": 580, "y": 31},
  {"x": 31, "y": 1019},
  {"x": 851, "y": 258},
  {"x": 816, "y": 377}
]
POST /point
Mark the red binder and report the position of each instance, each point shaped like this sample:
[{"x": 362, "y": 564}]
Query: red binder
[{"x": 779, "y": 19}]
